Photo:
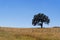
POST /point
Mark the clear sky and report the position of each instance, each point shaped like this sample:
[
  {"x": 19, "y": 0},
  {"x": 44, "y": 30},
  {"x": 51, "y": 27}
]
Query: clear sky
[{"x": 19, "y": 13}]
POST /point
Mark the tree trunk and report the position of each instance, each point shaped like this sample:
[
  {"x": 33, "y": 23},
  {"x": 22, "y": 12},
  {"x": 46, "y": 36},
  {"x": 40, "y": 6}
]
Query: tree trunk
[{"x": 42, "y": 25}]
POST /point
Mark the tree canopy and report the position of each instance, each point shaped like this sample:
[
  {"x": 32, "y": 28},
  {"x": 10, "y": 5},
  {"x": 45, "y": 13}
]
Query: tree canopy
[{"x": 39, "y": 19}]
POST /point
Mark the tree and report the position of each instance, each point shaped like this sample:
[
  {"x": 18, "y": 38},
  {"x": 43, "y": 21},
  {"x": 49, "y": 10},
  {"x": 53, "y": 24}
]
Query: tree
[{"x": 39, "y": 19}]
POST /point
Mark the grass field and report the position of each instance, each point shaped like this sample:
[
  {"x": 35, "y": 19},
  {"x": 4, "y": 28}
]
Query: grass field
[{"x": 29, "y": 33}]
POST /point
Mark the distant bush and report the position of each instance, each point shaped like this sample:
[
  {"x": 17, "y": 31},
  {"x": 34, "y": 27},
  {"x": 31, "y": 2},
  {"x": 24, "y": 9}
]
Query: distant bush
[{"x": 56, "y": 27}]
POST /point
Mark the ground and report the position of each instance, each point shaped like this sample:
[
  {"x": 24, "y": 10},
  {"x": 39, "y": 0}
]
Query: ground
[{"x": 29, "y": 33}]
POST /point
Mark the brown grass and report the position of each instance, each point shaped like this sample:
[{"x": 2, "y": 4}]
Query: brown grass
[{"x": 29, "y": 33}]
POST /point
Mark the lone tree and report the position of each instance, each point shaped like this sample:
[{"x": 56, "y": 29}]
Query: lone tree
[{"x": 39, "y": 19}]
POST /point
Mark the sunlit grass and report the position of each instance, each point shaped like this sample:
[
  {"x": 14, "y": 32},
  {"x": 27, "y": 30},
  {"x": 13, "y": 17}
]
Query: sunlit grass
[{"x": 29, "y": 34}]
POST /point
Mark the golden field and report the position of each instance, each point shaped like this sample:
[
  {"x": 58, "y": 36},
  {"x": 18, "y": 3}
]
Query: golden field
[{"x": 29, "y": 33}]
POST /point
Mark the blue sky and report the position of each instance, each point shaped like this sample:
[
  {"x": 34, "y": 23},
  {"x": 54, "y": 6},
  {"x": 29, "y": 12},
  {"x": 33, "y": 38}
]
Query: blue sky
[{"x": 19, "y": 13}]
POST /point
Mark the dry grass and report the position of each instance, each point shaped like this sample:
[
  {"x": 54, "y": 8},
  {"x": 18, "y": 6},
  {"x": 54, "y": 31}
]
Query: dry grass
[{"x": 29, "y": 34}]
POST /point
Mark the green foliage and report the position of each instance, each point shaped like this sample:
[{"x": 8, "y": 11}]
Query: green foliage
[{"x": 39, "y": 19}]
